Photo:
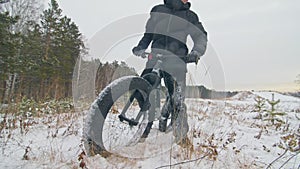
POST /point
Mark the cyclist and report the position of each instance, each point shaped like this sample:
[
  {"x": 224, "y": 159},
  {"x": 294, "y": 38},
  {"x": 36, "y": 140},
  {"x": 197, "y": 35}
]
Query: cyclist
[{"x": 168, "y": 28}]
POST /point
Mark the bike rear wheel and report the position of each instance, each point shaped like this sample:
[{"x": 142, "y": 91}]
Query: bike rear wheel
[{"x": 105, "y": 131}]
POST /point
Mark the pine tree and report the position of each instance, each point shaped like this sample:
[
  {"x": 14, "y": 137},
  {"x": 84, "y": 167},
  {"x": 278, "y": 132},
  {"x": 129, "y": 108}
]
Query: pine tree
[
  {"x": 24, "y": 14},
  {"x": 30, "y": 52},
  {"x": 273, "y": 113},
  {"x": 260, "y": 106},
  {"x": 62, "y": 46},
  {"x": 40, "y": 59},
  {"x": 8, "y": 50}
]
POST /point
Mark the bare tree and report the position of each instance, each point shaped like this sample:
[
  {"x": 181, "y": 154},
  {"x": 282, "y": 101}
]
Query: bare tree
[{"x": 26, "y": 11}]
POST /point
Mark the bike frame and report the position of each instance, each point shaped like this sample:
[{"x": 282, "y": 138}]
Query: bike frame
[{"x": 152, "y": 100}]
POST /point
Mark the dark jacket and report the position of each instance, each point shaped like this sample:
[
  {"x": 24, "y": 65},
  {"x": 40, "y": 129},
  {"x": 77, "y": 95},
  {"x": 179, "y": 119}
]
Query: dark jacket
[{"x": 169, "y": 26}]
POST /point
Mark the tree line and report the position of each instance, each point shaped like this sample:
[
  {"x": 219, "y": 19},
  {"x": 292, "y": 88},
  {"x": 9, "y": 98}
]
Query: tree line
[
  {"x": 38, "y": 52},
  {"x": 37, "y": 56}
]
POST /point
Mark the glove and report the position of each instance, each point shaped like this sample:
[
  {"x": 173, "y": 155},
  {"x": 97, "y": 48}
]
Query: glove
[
  {"x": 194, "y": 56},
  {"x": 138, "y": 51}
]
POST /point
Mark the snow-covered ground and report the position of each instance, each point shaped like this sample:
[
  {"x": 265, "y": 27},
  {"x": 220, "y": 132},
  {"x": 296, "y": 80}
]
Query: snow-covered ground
[{"x": 224, "y": 133}]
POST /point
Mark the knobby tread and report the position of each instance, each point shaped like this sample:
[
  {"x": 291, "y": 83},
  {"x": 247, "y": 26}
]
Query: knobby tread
[{"x": 92, "y": 133}]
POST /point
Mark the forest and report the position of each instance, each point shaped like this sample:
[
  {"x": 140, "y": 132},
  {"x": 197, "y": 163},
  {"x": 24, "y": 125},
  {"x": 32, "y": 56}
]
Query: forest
[{"x": 38, "y": 51}]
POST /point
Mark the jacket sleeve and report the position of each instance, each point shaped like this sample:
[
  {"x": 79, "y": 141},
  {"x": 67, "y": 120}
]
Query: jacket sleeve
[
  {"x": 148, "y": 35},
  {"x": 198, "y": 34}
]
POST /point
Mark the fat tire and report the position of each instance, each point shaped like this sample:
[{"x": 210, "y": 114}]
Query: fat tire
[{"x": 94, "y": 121}]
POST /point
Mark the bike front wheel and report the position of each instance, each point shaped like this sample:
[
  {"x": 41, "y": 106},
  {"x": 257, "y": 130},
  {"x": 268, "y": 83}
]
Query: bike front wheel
[{"x": 115, "y": 116}]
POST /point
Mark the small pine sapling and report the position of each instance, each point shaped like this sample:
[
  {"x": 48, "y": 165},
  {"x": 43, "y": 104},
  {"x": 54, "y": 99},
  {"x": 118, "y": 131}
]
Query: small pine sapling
[
  {"x": 260, "y": 106},
  {"x": 273, "y": 113}
]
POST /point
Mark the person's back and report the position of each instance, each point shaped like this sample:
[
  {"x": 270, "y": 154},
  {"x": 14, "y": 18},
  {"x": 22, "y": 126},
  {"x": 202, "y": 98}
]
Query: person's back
[{"x": 168, "y": 28}]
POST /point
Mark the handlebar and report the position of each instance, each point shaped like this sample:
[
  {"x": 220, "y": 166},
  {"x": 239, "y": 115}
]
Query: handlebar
[{"x": 186, "y": 59}]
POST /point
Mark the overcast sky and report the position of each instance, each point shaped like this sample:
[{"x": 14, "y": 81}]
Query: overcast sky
[{"x": 257, "y": 42}]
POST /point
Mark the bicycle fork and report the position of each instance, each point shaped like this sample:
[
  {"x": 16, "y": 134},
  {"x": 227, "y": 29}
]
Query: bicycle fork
[{"x": 151, "y": 104}]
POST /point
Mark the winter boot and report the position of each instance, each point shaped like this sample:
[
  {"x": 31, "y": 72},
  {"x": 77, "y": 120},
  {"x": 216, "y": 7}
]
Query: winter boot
[{"x": 162, "y": 124}]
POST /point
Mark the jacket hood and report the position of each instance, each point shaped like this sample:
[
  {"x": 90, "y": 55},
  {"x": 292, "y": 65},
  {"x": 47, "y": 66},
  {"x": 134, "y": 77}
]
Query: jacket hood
[{"x": 177, "y": 4}]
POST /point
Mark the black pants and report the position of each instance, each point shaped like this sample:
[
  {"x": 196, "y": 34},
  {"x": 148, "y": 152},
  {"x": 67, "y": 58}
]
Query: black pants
[{"x": 173, "y": 72}]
